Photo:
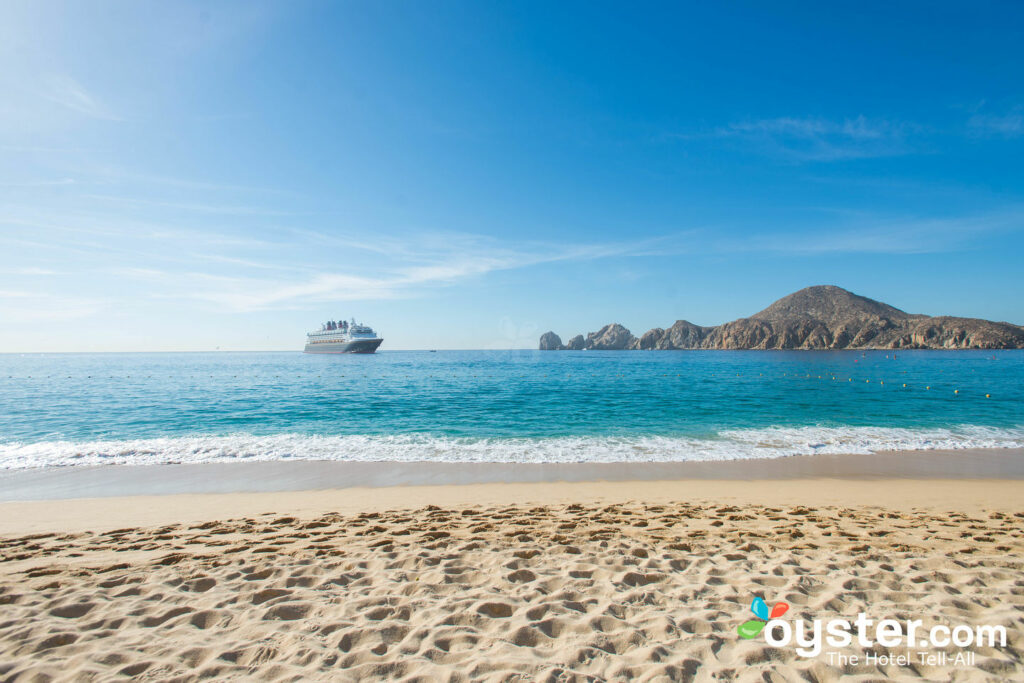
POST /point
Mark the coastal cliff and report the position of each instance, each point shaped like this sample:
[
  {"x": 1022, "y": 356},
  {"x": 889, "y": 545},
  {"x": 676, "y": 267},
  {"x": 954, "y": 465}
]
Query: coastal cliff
[{"x": 821, "y": 317}]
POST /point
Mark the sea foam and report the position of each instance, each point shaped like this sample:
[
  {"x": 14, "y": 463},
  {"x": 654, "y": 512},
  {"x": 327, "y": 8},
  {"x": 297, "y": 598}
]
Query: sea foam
[{"x": 773, "y": 442}]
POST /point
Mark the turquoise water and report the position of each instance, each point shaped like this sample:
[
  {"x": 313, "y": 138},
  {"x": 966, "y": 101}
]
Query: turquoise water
[{"x": 501, "y": 406}]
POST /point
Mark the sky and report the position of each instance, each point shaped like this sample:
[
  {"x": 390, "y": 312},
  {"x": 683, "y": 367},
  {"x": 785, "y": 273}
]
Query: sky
[{"x": 228, "y": 175}]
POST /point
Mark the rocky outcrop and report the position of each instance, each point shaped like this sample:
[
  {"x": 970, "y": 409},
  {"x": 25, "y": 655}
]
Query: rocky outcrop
[
  {"x": 651, "y": 339},
  {"x": 684, "y": 335},
  {"x": 962, "y": 333},
  {"x": 613, "y": 337},
  {"x": 577, "y": 343},
  {"x": 822, "y": 317},
  {"x": 549, "y": 341}
]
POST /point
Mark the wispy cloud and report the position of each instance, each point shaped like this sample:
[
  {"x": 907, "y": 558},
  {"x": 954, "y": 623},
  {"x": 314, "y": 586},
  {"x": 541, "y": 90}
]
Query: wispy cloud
[
  {"x": 27, "y": 307},
  {"x": 39, "y": 183},
  {"x": 248, "y": 294},
  {"x": 1008, "y": 125},
  {"x": 67, "y": 92},
  {"x": 224, "y": 209},
  {"x": 424, "y": 266},
  {"x": 99, "y": 173},
  {"x": 245, "y": 262},
  {"x": 816, "y": 139},
  {"x": 888, "y": 235},
  {"x": 28, "y": 271},
  {"x": 110, "y": 233},
  {"x": 410, "y": 273},
  {"x": 223, "y": 268}
]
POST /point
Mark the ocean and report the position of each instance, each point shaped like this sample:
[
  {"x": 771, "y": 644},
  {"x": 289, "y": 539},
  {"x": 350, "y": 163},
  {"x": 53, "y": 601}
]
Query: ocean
[{"x": 61, "y": 410}]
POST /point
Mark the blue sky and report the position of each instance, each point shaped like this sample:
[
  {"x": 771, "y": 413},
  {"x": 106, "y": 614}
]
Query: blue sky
[{"x": 179, "y": 176}]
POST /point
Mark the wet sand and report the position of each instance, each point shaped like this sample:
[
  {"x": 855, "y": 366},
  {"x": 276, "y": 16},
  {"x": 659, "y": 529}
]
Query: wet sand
[{"x": 96, "y": 482}]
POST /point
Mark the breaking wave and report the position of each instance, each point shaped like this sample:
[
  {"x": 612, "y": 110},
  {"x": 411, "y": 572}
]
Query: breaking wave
[{"x": 772, "y": 442}]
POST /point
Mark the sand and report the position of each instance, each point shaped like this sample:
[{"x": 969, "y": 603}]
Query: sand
[
  {"x": 584, "y": 581},
  {"x": 298, "y": 475}
]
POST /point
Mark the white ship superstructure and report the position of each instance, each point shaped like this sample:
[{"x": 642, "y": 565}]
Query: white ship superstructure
[{"x": 342, "y": 336}]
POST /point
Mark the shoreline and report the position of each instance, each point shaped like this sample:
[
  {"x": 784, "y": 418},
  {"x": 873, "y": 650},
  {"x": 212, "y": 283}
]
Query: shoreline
[
  {"x": 68, "y": 483},
  {"x": 121, "y": 496},
  {"x": 964, "y": 496}
]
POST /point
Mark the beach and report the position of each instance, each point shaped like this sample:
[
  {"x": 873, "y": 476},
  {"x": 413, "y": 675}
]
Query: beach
[
  {"x": 508, "y": 342},
  {"x": 517, "y": 580}
]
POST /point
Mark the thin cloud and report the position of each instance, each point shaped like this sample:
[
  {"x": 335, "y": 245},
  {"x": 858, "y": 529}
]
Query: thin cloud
[
  {"x": 28, "y": 271},
  {"x": 377, "y": 245},
  {"x": 888, "y": 236},
  {"x": 39, "y": 183},
  {"x": 192, "y": 206},
  {"x": 112, "y": 174},
  {"x": 431, "y": 246},
  {"x": 100, "y": 226},
  {"x": 34, "y": 307},
  {"x": 69, "y": 93},
  {"x": 135, "y": 272},
  {"x": 250, "y": 294},
  {"x": 472, "y": 256},
  {"x": 816, "y": 139},
  {"x": 1009, "y": 125},
  {"x": 248, "y": 263}
]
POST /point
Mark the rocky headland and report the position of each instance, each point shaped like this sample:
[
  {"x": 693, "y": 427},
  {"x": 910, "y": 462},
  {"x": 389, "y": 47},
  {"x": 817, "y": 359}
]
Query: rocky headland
[{"x": 821, "y": 317}]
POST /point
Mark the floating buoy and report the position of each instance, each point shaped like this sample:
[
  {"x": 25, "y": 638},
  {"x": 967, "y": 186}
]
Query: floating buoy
[
  {"x": 927, "y": 387},
  {"x": 956, "y": 391},
  {"x": 988, "y": 395},
  {"x": 904, "y": 386}
]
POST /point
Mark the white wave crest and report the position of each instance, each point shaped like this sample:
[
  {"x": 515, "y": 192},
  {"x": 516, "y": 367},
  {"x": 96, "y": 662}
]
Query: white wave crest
[{"x": 770, "y": 442}]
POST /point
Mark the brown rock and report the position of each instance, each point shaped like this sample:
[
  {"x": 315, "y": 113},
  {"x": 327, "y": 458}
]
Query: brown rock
[
  {"x": 549, "y": 341},
  {"x": 822, "y": 317},
  {"x": 577, "y": 343},
  {"x": 613, "y": 337}
]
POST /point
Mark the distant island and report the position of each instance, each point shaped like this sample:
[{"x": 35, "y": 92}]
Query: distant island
[{"x": 821, "y": 317}]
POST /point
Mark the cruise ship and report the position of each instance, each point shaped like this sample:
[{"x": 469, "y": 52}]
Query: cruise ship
[{"x": 342, "y": 336}]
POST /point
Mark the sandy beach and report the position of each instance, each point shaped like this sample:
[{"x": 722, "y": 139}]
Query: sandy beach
[
  {"x": 644, "y": 580},
  {"x": 506, "y": 342}
]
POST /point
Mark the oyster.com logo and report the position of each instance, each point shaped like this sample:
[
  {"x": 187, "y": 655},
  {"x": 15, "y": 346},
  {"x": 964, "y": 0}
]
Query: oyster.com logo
[
  {"x": 904, "y": 641},
  {"x": 752, "y": 629}
]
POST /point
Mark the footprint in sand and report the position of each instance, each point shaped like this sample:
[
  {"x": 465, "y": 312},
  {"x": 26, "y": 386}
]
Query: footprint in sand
[
  {"x": 289, "y": 611},
  {"x": 495, "y": 610},
  {"x": 73, "y": 611}
]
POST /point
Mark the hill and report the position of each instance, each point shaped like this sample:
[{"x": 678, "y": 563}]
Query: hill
[{"x": 820, "y": 317}]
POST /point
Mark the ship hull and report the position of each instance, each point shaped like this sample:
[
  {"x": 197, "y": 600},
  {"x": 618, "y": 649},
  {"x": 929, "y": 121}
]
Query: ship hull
[{"x": 354, "y": 346}]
